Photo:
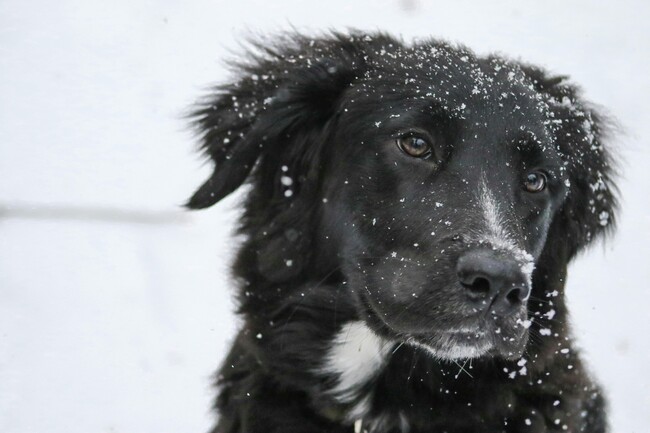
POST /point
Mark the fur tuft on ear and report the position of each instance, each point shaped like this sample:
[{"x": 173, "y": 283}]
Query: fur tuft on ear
[
  {"x": 281, "y": 92},
  {"x": 582, "y": 135},
  {"x": 271, "y": 127}
]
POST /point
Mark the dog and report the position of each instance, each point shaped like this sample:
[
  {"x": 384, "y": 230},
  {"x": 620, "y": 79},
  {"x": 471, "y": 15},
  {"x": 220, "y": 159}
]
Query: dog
[{"x": 411, "y": 214}]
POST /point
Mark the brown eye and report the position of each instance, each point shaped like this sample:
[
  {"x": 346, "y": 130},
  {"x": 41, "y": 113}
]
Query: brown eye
[
  {"x": 535, "y": 182},
  {"x": 414, "y": 146}
]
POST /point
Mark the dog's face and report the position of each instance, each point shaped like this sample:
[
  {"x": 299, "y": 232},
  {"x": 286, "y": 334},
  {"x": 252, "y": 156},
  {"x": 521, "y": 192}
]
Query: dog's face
[
  {"x": 442, "y": 195},
  {"x": 437, "y": 181}
]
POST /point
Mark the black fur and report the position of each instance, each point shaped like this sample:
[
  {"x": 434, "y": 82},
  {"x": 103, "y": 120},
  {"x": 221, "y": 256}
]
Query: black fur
[{"x": 365, "y": 232}]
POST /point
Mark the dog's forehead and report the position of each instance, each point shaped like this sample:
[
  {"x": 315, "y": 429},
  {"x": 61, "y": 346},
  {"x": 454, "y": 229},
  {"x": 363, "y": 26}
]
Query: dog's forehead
[
  {"x": 456, "y": 79},
  {"x": 492, "y": 96}
]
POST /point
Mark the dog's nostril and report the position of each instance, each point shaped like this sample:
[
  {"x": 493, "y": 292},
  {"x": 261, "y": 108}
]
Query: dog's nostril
[
  {"x": 514, "y": 296},
  {"x": 518, "y": 294},
  {"x": 480, "y": 286}
]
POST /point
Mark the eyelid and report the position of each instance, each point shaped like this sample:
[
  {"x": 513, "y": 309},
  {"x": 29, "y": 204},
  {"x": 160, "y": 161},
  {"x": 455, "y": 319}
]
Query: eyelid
[
  {"x": 547, "y": 173},
  {"x": 410, "y": 132}
]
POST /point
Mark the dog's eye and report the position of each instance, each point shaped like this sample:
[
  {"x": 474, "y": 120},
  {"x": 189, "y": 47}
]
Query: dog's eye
[
  {"x": 535, "y": 181},
  {"x": 415, "y": 146}
]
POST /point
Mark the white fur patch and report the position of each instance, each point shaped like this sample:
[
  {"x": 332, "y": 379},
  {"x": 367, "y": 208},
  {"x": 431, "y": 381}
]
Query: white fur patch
[
  {"x": 454, "y": 350},
  {"x": 497, "y": 234},
  {"x": 493, "y": 218},
  {"x": 356, "y": 356}
]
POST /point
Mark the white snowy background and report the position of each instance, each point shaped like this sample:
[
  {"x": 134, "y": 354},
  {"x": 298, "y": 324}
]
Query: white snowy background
[{"x": 115, "y": 306}]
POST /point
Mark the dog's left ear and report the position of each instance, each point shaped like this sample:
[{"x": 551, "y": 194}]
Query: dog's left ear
[
  {"x": 582, "y": 136},
  {"x": 281, "y": 100}
]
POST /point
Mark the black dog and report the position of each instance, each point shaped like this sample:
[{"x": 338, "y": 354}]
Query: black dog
[{"x": 412, "y": 212}]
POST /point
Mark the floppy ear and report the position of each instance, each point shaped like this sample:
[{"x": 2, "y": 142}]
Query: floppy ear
[
  {"x": 284, "y": 93},
  {"x": 581, "y": 134}
]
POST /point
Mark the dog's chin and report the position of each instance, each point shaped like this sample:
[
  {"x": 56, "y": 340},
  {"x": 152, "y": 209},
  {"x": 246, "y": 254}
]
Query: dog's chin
[
  {"x": 457, "y": 345},
  {"x": 452, "y": 345},
  {"x": 488, "y": 341}
]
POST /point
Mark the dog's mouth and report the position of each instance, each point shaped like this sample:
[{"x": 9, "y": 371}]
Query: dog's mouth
[
  {"x": 454, "y": 344},
  {"x": 488, "y": 341},
  {"x": 488, "y": 338}
]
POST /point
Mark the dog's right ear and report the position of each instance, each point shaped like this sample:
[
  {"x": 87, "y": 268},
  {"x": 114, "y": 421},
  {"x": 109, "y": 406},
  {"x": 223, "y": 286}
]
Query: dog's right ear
[{"x": 284, "y": 91}]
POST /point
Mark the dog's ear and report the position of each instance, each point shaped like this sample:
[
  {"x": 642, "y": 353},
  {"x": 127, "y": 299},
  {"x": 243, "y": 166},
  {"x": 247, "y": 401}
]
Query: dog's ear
[
  {"x": 283, "y": 94},
  {"x": 582, "y": 136}
]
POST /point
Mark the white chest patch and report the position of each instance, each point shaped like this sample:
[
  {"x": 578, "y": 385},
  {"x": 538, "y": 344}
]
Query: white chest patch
[{"x": 356, "y": 356}]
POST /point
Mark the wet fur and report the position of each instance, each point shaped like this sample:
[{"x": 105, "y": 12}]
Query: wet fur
[{"x": 284, "y": 115}]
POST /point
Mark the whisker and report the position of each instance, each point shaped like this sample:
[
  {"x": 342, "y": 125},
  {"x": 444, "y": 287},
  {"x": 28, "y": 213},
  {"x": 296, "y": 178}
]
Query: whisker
[
  {"x": 398, "y": 346},
  {"x": 415, "y": 361},
  {"x": 462, "y": 369}
]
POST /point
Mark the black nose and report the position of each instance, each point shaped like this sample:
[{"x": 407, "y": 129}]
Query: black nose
[{"x": 493, "y": 281}]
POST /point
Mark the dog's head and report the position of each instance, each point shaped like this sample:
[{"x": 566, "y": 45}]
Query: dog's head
[{"x": 437, "y": 182}]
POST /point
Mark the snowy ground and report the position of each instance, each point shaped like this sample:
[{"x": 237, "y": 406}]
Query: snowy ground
[{"x": 113, "y": 322}]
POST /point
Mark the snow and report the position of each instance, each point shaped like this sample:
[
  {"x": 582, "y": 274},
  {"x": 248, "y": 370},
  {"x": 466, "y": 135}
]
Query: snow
[{"x": 116, "y": 323}]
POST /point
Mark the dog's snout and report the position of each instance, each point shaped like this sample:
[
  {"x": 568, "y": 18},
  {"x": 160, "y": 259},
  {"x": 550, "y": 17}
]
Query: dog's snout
[{"x": 494, "y": 281}]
